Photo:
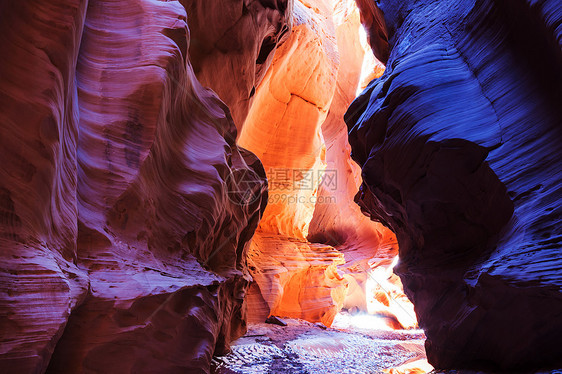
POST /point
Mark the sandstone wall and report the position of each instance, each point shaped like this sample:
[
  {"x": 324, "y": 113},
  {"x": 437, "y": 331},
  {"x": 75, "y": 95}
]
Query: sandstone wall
[
  {"x": 122, "y": 238},
  {"x": 460, "y": 145}
]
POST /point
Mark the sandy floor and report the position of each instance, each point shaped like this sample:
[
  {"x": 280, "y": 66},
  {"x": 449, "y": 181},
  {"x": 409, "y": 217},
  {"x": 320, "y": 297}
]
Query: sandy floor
[{"x": 352, "y": 345}]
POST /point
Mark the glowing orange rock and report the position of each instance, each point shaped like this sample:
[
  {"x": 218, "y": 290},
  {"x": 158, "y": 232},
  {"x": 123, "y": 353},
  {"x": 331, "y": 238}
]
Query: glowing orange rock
[
  {"x": 296, "y": 128},
  {"x": 296, "y": 279},
  {"x": 283, "y": 127},
  {"x": 420, "y": 366}
]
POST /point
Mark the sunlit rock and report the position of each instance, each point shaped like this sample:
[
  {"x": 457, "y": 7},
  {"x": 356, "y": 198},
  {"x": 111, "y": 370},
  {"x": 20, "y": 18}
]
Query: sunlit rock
[
  {"x": 297, "y": 279},
  {"x": 283, "y": 128},
  {"x": 420, "y": 366},
  {"x": 295, "y": 127},
  {"x": 337, "y": 220}
]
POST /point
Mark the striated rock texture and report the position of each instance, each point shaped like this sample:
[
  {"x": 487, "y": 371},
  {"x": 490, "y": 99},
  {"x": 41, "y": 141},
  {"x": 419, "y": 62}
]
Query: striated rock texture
[
  {"x": 337, "y": 220},
  {"x": 125, "y": 215},
  {"x": 283, "y": 129},
  {"x": 314, "y": 249},
  {"x": 232, "y": 44},
  {"x": 460, "y": 143},
  {"x": 284, "y": 126},
  {"x": 295, "y": 279}
]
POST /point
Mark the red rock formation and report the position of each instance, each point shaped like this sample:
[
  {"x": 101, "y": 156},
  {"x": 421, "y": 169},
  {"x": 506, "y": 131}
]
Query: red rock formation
[
  {"x": 119, "y": 194},
  {"x": 295, "y": 278},
  {"x": 126, "y": 206},
  {"x": 283, "y": 129},
  {"x": 460, "y": 147},
  {"x": 337, "y": 219},
  {"x": 373, "y": 20},
  {"x": 39, "y": 282},
  {"x": 295, "y": 127},
  {"x": 232, "y": 44}
]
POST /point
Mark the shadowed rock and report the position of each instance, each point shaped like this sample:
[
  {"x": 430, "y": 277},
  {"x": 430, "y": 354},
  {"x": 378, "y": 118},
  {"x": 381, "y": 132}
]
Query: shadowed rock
[{"x": 460, "y": 143}]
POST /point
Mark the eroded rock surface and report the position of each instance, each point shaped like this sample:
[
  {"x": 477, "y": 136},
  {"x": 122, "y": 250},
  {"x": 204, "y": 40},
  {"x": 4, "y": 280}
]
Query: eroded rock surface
[
  {"x": 123, "y": 243},
  {"x": 295, "y": 127},
  {"x": 283, "y": 129},
  {"x": 232, "y": 44},
  {"x": 460, "y": 145},
  {"x": 295, "y": 278}
]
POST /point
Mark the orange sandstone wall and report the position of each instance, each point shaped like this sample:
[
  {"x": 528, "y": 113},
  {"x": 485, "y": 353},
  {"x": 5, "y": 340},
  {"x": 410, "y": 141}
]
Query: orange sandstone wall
[
  {"x": 294, "y": 278},
  {"x": 295, "y": 126}
]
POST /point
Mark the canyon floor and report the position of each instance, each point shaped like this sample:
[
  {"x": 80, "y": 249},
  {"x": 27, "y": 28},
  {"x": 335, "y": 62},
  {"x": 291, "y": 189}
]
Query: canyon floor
[
  {"x": 358, "y": 344},
  {"x": 354, "y": 344}
]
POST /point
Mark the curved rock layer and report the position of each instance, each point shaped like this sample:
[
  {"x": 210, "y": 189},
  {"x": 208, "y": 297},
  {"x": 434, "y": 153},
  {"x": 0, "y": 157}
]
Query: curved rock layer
[
  {"x": 460, "y": 144},
  {"x": 124, "y": 203},
  {"x": 284, "y": 126},
  {"x": 295, "y": 278},
  {"x": 232, "y": 44},
  {"x": 295, "y": 127},
  {"x": 283, "y": 129},
  {"x": 337, "y": 219}
]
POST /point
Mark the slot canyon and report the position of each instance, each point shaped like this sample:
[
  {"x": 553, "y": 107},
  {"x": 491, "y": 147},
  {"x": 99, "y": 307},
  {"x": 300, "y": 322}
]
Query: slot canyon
[{"x": 281, "y": 186}]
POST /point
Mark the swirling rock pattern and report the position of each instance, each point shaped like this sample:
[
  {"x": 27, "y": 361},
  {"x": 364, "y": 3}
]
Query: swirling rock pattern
[
  {"x": 233, "y": 55},
  {"x": 296, "y": 279},
  {"x": 123, "y": 237},
  {"x": 337, "y": 219},
  {"x": 39, "y": 280},
  {"x": 295, "y": 127},
  {"x": 283, "y": 129},
  {"x": 284, "y": 126},
  {"x": 460, "y": 144}
]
